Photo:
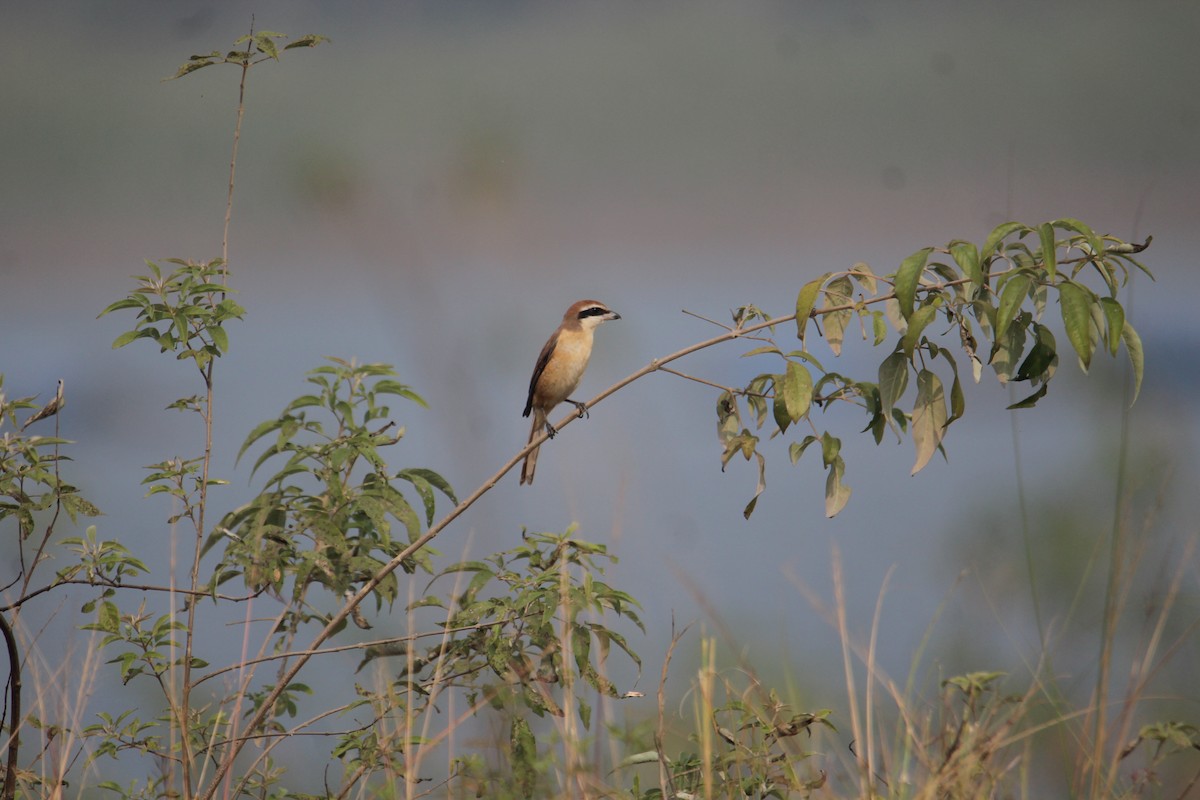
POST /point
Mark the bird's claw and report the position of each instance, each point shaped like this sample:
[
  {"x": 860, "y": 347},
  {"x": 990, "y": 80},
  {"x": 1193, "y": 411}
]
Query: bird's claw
[{"x": 581, "y": 408}]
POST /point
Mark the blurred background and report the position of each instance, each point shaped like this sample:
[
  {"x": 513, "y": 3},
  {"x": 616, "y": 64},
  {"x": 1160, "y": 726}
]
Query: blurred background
[{"x": 434, "y": 188}]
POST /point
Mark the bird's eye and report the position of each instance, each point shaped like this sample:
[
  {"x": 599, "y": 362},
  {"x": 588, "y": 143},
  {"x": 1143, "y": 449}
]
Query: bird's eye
[{"x": 593, "y": 311}]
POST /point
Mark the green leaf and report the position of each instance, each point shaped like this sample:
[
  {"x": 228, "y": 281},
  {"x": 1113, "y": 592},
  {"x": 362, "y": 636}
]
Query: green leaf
[
  {"x": 805, "y": 302},
  {"x": 127, "y": 337},
  {"x": 311, "y": 40},
  {"x": 1076, "y": 302},
  {"x": 831, "y": 448},
  {"x": 779, "y": 411},
  {"x": 917, "y": 323},
  {"x": 220, "y": 338},
  {"x": 837, "y": 293},
  {"x": 865, "y": 276},
  {"x": 837, "y": 494},
  {"x": 928, "y": 417},
  {"x": 266, "y": 45},
  {"x": 966, "y": 255},
  {"x": 998, "y": 234},
  {"x": 907, "y": 279},
  {"x": 1005, "y": 351},
  {"x": 796, "y": 449},
  {"x": 893, "y": 380},
  {"x": 958, "y": 401},
  {"x": 1039, "y": 365},
  {"x": 260, "y": 430},
  {"x": 435, "y": 479},
  {"x": 797, "y": 391},
  {"x": 1049, "y": 249},
  {"x": 1114, "y": 317},
  {"x": 1011, "y": 298},
  {"x": 879, "y": 324},
  {"x": 758, "y": 489},
  {"x": 764, "y": 350},
  {"x": 1133, "y": 346},
  {"x": 128, "y": 302},
  {"x": 1031, "y": 401},
  {"x": 1071, "y": 224},
  {"x": 110, "y": 617}
]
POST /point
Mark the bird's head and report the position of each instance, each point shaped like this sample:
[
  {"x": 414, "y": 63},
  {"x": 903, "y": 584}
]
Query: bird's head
[{"x": 589, "y": 313}]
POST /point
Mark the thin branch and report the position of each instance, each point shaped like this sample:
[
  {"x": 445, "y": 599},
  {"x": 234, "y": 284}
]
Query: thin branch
[
  {"x": 685, "y": 376},
  {"x": 323, "y": 651},
  {"x": 706, "y": 319},
  {"x": 139, "y": 587}
]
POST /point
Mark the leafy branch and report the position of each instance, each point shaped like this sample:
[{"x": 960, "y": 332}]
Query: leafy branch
[{"x": 978, "y": 290}]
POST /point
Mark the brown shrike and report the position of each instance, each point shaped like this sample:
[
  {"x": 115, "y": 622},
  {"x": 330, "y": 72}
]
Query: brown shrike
[{"x": 560, "y": 365}]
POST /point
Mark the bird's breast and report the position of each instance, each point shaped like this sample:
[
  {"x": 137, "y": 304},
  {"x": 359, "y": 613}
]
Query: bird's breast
[{"x": 562, "y": 373}]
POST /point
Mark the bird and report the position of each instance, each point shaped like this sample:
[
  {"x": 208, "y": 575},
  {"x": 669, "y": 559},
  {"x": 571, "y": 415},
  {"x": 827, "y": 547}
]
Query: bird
[{"x": 559, "y": 367}]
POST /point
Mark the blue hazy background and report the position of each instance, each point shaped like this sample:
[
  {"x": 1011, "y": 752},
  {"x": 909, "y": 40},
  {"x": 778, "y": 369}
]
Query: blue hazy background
[{"x": 435, "y": 186}]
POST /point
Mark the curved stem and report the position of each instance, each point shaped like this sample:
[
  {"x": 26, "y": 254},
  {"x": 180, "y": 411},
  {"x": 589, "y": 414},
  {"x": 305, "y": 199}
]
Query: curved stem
[{"x": 14, "y": 685}]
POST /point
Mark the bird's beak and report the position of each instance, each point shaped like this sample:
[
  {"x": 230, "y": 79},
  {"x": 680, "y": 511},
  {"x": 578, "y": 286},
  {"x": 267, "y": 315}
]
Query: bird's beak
[{"x": 615, "y": 315}]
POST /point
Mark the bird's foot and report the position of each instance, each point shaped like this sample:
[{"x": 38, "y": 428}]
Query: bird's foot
[
  {"x": 580, "y": 407},
  {"x": 550, "y": 430}
]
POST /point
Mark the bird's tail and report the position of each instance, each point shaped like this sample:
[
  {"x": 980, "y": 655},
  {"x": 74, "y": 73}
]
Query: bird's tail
[{"x": 539, "y": 422}]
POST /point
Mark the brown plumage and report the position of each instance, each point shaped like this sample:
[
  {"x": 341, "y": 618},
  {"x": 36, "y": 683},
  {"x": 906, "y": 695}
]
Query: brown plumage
[{"x": 559, "y": 367}]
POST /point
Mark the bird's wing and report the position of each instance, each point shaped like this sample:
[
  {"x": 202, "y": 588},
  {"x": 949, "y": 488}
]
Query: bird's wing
[{"x": 543, "y": 360}]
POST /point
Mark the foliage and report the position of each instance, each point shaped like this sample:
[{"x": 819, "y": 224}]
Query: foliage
[
  {"x": 997, "y": 294},
  {"x": 30, "y": 480},
  {"x": 327, "y": 515},
  {"x": 752, "y": 745}
]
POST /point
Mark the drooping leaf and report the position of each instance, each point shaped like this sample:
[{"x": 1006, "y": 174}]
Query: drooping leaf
[
  {"x": 796, "y": 449},
  {"x": 797, "y": 390},
  {"x": 998, "y": 234},
  {"x": 779, "y": 411},
  {"x": 1011, "y": 298},
  {"x": 838, "y": 292},
  {"x": 916, "y": 324},
  {"x": 1114, "y": 316},
  {"x": 966, "y": 255},
  {"x": 831, "y": 448},
  {"x": 837, "y": 494},
  {"x": 1133, "y": 346},
  {"x": 1071, "y": 224},
  {"x": 928, "y": 417},
  {"x": 893, "y": 380},
  {"x": 1031, "y": 401},
  {"x": 805, "y": 302},
  {"x": 865, "y": 276},
  {"x": 1076, "y": 302},
  {"x": 758, "y": 489},
  {"x": 1040, "y": 363},
  {"x": 879, "y": 326},
  {"x": 958, "y": 400},
  {"x": 907, "y": 279},
  {"x": 1006, "y": 350},
  {"x": 1049, "y": 249}
]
